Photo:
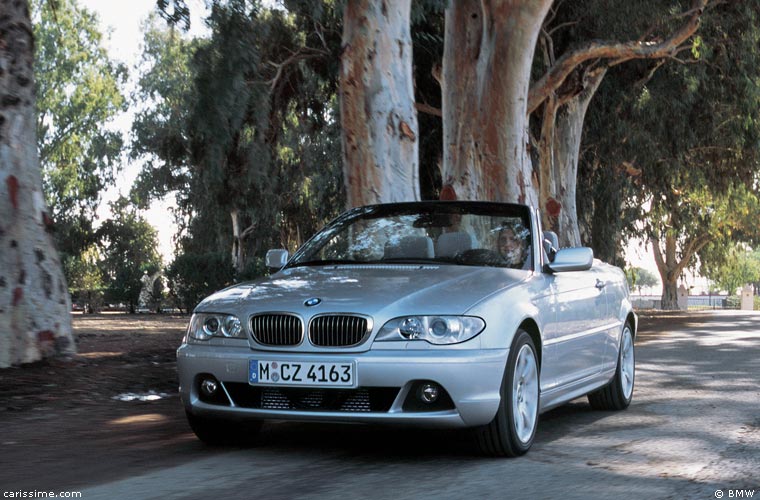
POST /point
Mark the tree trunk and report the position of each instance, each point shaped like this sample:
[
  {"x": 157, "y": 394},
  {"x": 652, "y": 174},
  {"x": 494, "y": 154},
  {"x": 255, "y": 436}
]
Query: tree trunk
[
  {"x": 669, "y": 295},
  {"x": 236, "y": 254},
  {"x": 559, "y": 149},
  {"x": 487, "y": 58},
  {"x": 670, "y": 268},
  {"x": 35, "y": 307},
  {"x": 379, "y": 121}
]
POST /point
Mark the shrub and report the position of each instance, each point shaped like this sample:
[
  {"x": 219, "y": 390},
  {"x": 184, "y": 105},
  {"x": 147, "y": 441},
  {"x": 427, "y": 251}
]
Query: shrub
[{"x": 191, "y": 277}]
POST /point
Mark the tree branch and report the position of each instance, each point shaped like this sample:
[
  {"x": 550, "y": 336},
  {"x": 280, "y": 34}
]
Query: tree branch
[
  {"x": 643, "y": 81},
  {"x": 692, "y": 248},
  {"x": 299, "y": 55},
  {"x": 612, "y": 50},
  {"x": 428, "y": 109},
  {"x": 658, "y": 257},
  {"x": 247, "y": 231}
]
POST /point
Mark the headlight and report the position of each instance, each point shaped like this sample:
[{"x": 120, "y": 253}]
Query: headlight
[
  {"x": 204, "y": 326},
  {"x": 437, "y": 330}
]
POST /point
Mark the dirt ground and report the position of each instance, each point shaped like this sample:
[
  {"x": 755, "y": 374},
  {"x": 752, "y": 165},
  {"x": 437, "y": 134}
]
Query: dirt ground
[{"x": 114, "y": 407}]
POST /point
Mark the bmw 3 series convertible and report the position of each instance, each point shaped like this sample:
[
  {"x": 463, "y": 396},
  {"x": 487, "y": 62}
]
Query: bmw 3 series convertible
[{"x": 435, "y": 314}]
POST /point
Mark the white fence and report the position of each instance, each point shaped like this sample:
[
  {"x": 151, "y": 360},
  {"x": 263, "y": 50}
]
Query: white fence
[{"x": 695, "y": 302}]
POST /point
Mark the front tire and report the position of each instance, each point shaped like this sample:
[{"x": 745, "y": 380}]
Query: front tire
[
  {"x": 511, "y": 432},
  {"x": 617, "y": 395},
  {"x": 217, "y": 432}
]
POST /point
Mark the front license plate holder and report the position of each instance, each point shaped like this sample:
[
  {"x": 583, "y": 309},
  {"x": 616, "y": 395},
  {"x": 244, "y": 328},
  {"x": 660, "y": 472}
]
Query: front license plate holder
[{"x": 302, "y": 373}]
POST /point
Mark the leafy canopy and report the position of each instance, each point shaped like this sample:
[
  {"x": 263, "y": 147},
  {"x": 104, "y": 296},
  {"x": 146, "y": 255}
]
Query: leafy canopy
[
  {"x": 129, "y": 252},
  {"x": 79, "y": 91}
]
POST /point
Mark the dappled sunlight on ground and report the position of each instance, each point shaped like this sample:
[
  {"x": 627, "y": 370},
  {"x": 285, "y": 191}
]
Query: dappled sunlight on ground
[
  {"x": 113, "y": 411},
  {"x": 141, "y": 420}
]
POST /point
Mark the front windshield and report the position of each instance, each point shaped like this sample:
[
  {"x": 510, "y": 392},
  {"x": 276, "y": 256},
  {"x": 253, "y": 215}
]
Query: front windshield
[{"x": 465, "y": 233}]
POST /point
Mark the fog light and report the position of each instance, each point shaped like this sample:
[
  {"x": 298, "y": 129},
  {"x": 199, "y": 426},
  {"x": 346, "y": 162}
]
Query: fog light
[
  {"x": 428, "y": 393},
  {"x": 209, "y": 387}
]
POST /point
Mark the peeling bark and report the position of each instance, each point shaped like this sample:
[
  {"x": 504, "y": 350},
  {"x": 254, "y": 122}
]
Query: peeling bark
[
  {"x": 564, "y": 113},
  {"x": 377, "y": 106},
  {"x": 35, "y": 318},
  {"x": 559, "y": 148},
  {"x": 488, "y": 53}
]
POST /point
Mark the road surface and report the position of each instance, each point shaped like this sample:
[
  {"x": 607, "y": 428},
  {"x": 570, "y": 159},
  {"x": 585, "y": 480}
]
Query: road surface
[{"x": 693, "y": 429}]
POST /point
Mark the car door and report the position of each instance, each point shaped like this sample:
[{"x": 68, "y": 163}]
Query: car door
[{"x": 575, "y": 339}]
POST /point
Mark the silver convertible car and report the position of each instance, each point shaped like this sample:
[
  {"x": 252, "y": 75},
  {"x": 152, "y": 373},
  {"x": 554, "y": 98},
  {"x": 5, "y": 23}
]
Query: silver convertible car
[{"x": 438, "y": 314}]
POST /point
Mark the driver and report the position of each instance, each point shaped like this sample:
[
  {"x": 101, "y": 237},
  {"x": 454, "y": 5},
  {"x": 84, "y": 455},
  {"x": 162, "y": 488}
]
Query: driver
[{"x": 512, "y": 247}]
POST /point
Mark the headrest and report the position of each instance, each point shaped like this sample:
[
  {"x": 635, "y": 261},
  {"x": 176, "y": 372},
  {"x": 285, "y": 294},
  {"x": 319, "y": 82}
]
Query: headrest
[
  {"x": 410, "y": 247},
  {"x": 450, "y": 244}
]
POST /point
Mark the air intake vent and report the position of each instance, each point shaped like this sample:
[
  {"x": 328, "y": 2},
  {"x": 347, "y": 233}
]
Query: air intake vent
[
  {"x": 338, "y": 330},
  {"x": 277, "y": 329}
]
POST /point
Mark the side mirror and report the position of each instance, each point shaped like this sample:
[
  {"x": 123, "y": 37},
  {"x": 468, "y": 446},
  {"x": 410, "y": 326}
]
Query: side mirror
[
  {"x": 276, "y": 259},
  {"x": 572, "y": 259}
]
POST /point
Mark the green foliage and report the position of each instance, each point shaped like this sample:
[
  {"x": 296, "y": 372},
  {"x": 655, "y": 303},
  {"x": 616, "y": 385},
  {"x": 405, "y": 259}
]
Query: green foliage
[
  {"x": 192, "y": 277},
  {"x": 129, "y": 252},
  {"x": 679, "y": 147},
  {"x": 738, "y": 268},
  {"x": 602, "y": 189},
  {"x": 164, "y": 97},
  {"x": 245, "y": 122},
  {"x": 79, "y": 90},
  {"x": 639, "y": 278},
  {"x": 85, "y": 279}
]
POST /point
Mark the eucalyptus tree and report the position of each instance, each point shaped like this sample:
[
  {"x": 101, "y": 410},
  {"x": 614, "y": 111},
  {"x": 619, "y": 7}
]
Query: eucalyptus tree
[
  {"x": 244, "y": 127},
  {"x": 738, "y": 267},
  {"x": 488, "y": 96},
  {"x": 378, "y": 117},
  {"x": 35, "y": 318},
  {"x": 688, "y": 141},
  {"x": 79, "y": 91},
  {"x": 639, "y": 278},
  {"x": 129, "y": 248}
]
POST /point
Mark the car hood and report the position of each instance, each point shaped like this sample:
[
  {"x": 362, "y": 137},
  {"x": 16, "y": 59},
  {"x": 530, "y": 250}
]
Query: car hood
[{"x": 387, "y": 290}]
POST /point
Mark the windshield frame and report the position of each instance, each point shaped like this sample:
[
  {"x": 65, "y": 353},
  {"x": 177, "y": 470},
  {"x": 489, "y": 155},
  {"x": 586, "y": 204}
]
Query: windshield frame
[{"x": 408, "y": 208}]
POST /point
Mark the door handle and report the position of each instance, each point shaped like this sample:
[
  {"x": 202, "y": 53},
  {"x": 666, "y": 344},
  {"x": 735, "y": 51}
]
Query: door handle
[{"x": 600, "y": 284}]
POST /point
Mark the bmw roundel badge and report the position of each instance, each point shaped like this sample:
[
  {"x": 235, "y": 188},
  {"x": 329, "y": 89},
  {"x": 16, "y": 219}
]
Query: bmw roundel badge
[{"x": 312, "y": 302}]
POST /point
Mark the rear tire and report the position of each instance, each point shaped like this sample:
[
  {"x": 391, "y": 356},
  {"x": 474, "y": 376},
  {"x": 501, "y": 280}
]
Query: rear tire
[
  {"x": 218, "y": 432},
  {"x": 617, "y": 395},
  {"x": 511, "y": 432}
]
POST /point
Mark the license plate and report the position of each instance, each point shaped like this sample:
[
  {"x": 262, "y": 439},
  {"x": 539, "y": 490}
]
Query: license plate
[{"x": 301, "y": 373}]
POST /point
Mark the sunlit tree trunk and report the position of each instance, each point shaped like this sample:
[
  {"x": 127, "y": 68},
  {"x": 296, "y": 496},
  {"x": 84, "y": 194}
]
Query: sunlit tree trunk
[
  {"x": 487, "y": 58},
  {"x": 565, "y": 101},
  {"x": 379, "y": 121},
  {"x": 35, "y": 318},
  {"x": 559, "y": 148}
]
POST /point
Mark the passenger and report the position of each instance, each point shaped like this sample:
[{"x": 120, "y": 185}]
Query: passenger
[{"x": 513, "y": 248}]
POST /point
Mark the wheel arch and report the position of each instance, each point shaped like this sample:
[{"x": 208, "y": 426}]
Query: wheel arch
[
  {"x": 633, "y": 320},
  {"x": 530, "y": 326}
]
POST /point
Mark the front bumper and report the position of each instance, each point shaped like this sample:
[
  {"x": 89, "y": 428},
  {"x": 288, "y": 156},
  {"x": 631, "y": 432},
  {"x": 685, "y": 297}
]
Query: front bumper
[{"x": 471, "y": 378}]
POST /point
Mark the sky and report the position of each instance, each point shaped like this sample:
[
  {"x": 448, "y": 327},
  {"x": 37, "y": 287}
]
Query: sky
[{"x": 123, "y": 19}]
